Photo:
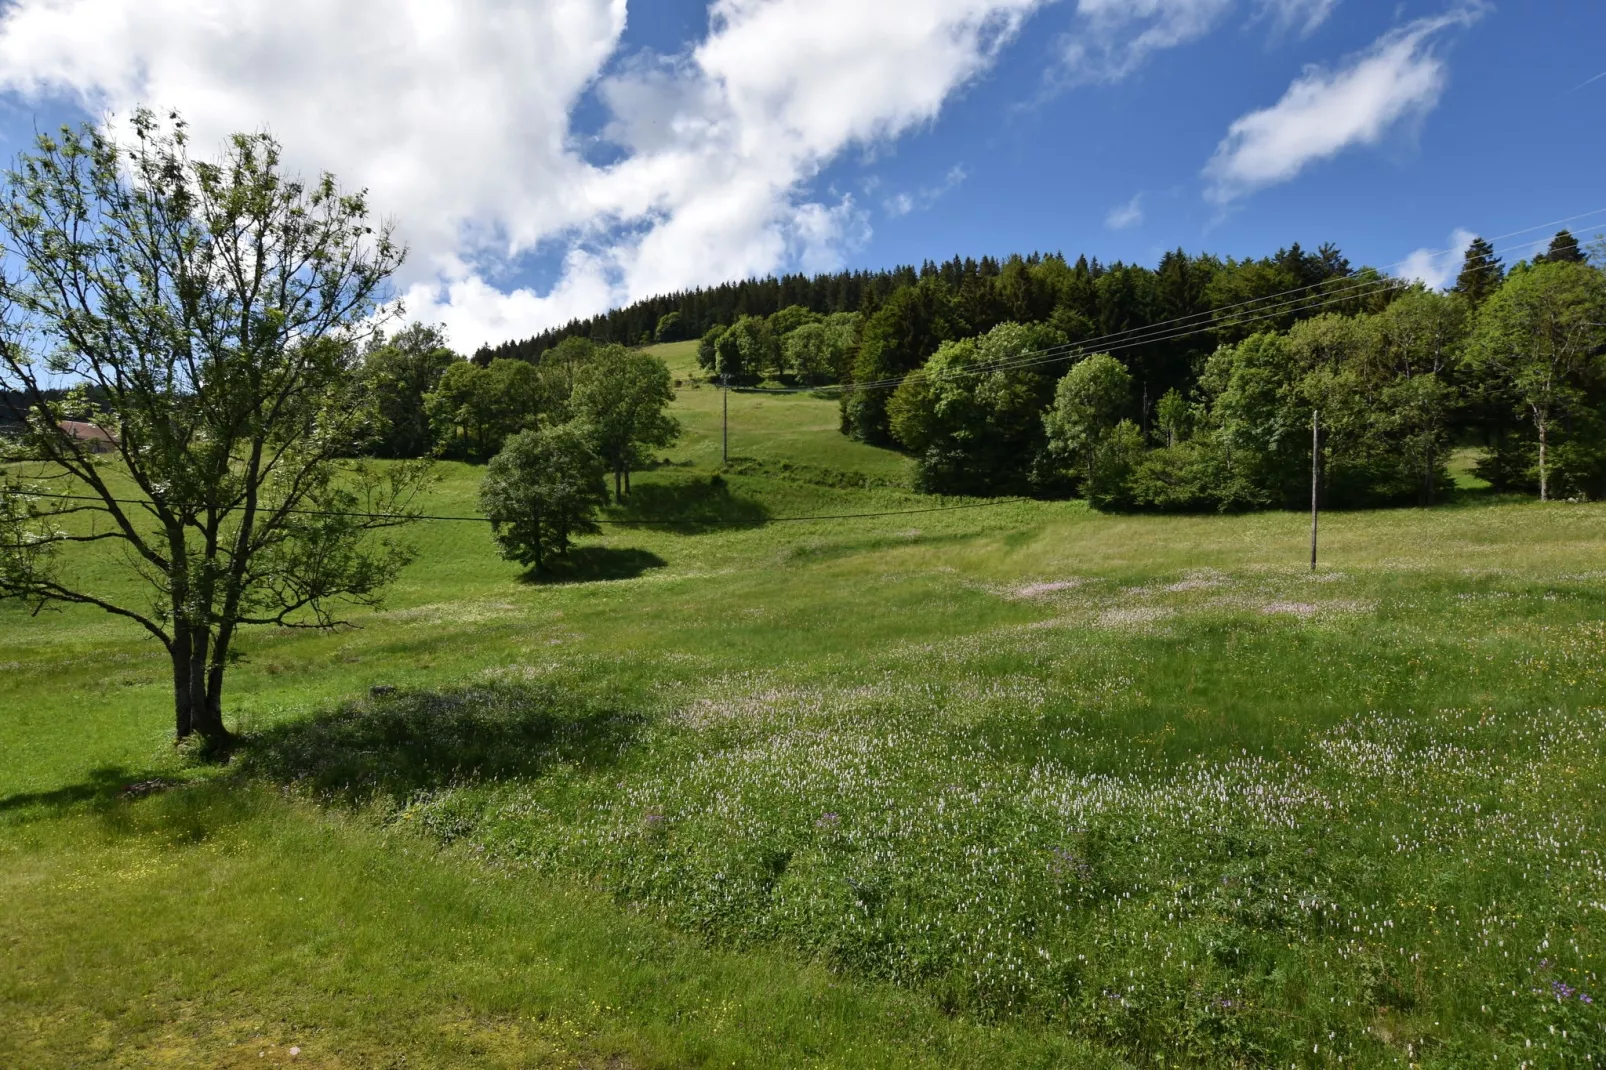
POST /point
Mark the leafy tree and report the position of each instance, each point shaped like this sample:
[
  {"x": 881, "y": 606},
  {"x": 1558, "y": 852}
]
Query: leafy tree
[
  {"x": 1541, "y": 337},
  {"x": 974, "y": 421},
  {"x": 1174, "y": 416},
  {"x": 473, "y": 410},
  {"x": 541, "y": 490},
  {"x": 896, "y": 340},
  {"x": 911, "y": 411},
  {"x": 1089, "y": 403},
  {"x": 790, "y": 319},
  {"x": 1481, "y": 272},
  {"x": 1419, "y": 339},
  {"x": 401, "y": 373},
  {"x": 1260, "y": 423},
  {"x": 818, "y": 352},
  {"x": 558, "y": 371},
  {"x": 670, "y": 328},
  {"x": 620, "y": 398},
  {"x": 1118, "y": 454},
  {"x": 708, "y": 349},
  {"x": 214, "y": 307},
  {"x": 747, "y": 350}
]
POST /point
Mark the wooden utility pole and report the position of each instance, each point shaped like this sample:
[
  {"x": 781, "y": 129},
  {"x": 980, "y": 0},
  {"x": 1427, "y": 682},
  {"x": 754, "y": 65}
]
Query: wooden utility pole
[
  {"x": 1315, "y": 480},
  {"x": 725, "y": 421}
]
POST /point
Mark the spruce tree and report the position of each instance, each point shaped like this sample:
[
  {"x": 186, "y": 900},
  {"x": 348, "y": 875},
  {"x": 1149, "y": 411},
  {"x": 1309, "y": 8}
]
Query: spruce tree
[
  {"x": 1481, "y": 272},
  {"x": 1563, "y": 249}
]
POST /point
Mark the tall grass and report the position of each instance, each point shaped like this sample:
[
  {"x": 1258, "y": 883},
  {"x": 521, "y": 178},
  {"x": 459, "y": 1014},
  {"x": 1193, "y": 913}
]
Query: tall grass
[{"x": 1008, "y": 786}]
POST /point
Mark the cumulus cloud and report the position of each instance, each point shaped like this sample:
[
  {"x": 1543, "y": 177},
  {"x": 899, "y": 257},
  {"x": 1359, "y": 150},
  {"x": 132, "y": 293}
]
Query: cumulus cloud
[
  {"x": 457, "y": 118},
  {"x": 1437, "y": 268},
  {"x": 1398, "y": 78},
  {"x": 1126, "y": 215}
]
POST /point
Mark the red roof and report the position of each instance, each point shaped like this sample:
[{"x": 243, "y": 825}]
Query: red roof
[{"x": 87, "y": 432}]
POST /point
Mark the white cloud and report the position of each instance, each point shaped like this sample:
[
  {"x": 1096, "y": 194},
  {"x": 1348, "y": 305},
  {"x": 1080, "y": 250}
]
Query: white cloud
[
  {"x": 902, "y": 204},
  {"x": 1126, "y": 215},
  {"x": 1113, "y": 37},
  {"x": 1437, "y": 268},
  {"x": 1398, "y": 78},
  {"x": 1301, "y": 17},
  {"x": 456, "y": 116}
]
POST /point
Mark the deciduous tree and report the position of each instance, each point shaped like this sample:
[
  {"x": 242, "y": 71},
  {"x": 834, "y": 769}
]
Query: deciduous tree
[
  {"x": 1089, "y": 402},
  {"x": 215, "y": 308},
  {"x": 621, "y": 399},
  {"x": 542, "y": 490},
  {"x": 1542, "y": 335},
  {"x": 401, "y": 372}
]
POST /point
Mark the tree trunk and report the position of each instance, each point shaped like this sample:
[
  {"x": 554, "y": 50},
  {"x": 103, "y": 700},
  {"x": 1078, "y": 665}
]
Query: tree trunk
[
  {"x": 1427, "y": 476},
  {"x": 198, "y": 690},
  {"x": 627, "y": 479},
  {"x": 535, "y": 528},
  {"x": 618, "y": 495},
  {"x": 1544, "y": 471},
  {"x": 184, "y": 723},
  {"x": 208, "y": 721}
]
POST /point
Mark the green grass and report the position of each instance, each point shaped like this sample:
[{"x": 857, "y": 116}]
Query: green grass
[{"x": 1021, "y": 785}]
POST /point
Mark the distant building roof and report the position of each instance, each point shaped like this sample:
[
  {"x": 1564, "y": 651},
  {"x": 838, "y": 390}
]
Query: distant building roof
[{"x": 84, "y": 431}]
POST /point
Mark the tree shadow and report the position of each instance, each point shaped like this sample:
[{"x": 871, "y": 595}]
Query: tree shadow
[
  {"x": 690, "y": 506},
  {"x": 398, "y": 745},
  {"x": 103, "y": 785},
  {"x": 585, "y": 564}
]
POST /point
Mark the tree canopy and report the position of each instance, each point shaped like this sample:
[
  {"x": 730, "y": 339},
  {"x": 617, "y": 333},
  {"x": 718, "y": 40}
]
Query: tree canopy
[
  {"x": 621, "y": 399},
  {"x": 541, "y": 490}
]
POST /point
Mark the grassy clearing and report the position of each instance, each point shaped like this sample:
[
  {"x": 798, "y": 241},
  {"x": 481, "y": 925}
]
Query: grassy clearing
[{"x": 991, "y": 787}]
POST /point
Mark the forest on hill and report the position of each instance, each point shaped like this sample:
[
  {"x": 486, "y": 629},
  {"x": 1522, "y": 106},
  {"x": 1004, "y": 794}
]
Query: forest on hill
[
  {"x": 1194, "y": 385},
  {"x": 983, "y": 284}
]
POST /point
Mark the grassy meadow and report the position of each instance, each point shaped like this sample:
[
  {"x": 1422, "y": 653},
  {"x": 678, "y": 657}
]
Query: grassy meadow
[{"x": 1018, "y": 785}]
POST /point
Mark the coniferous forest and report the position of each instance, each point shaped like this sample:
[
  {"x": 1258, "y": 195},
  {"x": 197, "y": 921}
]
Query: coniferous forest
[{"x": 1195, "y": 385}]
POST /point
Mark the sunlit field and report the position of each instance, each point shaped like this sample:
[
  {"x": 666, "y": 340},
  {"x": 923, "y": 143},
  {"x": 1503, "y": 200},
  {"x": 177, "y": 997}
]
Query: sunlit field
[{"x": 1012, "y": 785}]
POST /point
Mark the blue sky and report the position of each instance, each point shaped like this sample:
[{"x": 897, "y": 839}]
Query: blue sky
[{"x": 548, "y": 158}]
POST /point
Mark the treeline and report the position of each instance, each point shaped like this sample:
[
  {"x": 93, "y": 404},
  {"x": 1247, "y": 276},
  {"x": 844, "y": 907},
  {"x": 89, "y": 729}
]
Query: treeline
[
  {"x": 689, "y": 314},
  {"x": 992, "y": 290},
  {"x": 1211, "y": 403},
  {"x": 429, "y": 401}
]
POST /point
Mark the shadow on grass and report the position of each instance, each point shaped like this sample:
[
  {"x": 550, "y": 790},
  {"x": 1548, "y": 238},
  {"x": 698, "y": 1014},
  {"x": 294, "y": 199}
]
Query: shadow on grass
[
  {"x": 400, "y": 745},
  {"x": 691, "y": 506},
  {"x": 585, "y": 564},
  {"x": 102, "y": 785}
]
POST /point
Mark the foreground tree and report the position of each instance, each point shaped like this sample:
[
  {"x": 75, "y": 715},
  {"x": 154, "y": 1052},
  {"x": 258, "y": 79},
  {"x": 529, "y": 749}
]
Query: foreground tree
[
  {"x": 213, "y": 311},
  {"x": 621, "y": 398},
  {"x": 541, "y": 490}
]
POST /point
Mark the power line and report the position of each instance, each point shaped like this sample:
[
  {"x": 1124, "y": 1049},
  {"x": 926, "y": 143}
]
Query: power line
[
  {"x": 1358, "y": 287},
  {"x": 659, "y": 522},
  {"x": 1137, "y": 336}
]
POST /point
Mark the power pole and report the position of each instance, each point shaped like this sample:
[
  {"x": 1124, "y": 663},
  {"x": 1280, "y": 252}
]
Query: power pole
[
  {"x": 725, "y": 421},
  {"x": 1315, "y": 477}
]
